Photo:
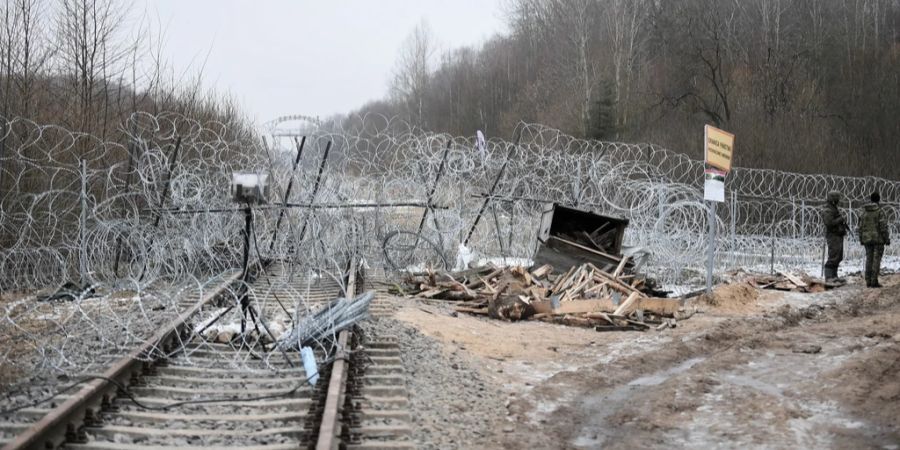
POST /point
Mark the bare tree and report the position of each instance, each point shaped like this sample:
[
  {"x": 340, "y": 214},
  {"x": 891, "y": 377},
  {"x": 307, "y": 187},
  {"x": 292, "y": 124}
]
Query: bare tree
[
  {"x": 625, "y": 24},
  {"x": 88, "y": 41},
  {"x": 699, "y": 38},
  {"x": 412, "y": 73},
  {"x": 34, "y": 51},
  {"x": 8, "y": 37},
  {"x": 574, "y": 23}
]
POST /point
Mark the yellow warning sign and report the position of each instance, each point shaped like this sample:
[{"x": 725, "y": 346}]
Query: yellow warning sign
[{"x": 719, "y": 147}]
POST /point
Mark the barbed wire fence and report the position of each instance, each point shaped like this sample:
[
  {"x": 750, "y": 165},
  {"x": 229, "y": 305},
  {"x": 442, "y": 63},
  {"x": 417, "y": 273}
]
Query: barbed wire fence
[{"x": 146, "y": 219}]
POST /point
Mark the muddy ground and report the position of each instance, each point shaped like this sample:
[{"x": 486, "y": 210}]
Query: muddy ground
[{"x": 757, "y": 369}]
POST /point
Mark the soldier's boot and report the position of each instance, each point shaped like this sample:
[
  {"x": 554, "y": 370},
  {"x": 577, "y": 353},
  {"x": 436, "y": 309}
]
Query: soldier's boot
[
  {"x": 875, "y": 283},
  {"x": 830, "y": 274},
  {"x": 869, "y": 282}
]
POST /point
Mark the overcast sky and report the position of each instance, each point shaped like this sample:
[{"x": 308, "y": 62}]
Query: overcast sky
[{"x": 315, "y": 57}]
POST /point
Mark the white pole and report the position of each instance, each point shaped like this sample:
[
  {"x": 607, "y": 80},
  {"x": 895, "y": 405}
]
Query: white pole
[
  {"x": 712, "y": 246},
  {"x": 733, "y": 228},
  {"x": 82, "y": 222}
]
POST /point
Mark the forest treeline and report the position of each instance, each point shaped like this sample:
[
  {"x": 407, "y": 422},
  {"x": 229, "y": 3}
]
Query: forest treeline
[
  {"x": 87, "y": 65},
  {"x": 811, "y": 86}
]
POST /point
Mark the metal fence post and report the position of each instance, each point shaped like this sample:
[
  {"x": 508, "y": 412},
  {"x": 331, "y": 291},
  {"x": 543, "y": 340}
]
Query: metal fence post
[
  {"x": 712, "y": 246},
  {"x": 733, "y": 228},
  {"x": 82, "y": 221},
  {"x": 772, "y": 247}
]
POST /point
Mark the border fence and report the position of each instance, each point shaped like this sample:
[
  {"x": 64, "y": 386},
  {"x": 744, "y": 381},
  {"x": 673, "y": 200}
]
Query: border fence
[{"x": 155, "y": 202}]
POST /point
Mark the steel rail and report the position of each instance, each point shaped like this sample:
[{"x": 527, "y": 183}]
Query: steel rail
[
  {"x": 330, "y": 427},
  {"x": 82, "y": 408}
]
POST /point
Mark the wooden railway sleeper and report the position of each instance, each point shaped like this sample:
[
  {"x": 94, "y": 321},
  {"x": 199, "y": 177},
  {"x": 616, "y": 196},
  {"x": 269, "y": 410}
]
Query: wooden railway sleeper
[
  {"x": 72, "y": 433},
  {"x": 91, "y": 419},
  {"x": 108, "y": 404},
  {"x": 346, "y": 436}
]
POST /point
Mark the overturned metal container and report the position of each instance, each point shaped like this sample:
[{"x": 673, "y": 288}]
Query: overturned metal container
[{"x": 569, "y": 237}]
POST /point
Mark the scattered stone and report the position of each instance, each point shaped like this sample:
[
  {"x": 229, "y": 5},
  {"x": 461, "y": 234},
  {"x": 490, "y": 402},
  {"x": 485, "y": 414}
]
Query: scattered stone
[{"x": 441, "y": 380}]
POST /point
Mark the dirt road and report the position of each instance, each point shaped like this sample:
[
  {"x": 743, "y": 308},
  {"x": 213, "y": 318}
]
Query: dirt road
[{"x": 755, "y": 369}]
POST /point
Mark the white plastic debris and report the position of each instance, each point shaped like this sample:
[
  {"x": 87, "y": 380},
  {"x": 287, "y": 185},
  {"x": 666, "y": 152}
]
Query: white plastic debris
[
  {"x": 464, "y": 257},
  {"x": 309, "y": 365}
]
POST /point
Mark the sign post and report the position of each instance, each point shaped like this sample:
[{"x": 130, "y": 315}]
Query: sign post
[{"x": 718, "y": 147}]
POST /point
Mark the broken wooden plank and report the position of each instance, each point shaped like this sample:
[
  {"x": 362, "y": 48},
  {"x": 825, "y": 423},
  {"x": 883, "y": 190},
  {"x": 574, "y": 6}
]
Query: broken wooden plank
[
  {"x": 482, "y": 280},
  {"x": 596, "y": 288},
  {"x": 585, "y": 248},
  {"x": 628, "y": 305},
  {"x": 793, "y": 279},
  {"x": 575, "y": 307},
  {"x": 559, "y": 280},
  {"x": 542, "y": 272},
  {"x": 615, "y": 284},
  {"x": 432, "y": 292},
  {"x": 620, "y": 267},
  {"x": 617, "y": 328},
  {"x": 575, "y": 290},
  {"x": 480, "y": 311},
  {"x": 603, "y": 316},
  {"x": 660, "y": 306}
]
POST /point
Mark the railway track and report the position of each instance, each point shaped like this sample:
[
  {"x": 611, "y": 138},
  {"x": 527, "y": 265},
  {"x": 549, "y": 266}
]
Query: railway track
[{"x": 360, "y": 400}]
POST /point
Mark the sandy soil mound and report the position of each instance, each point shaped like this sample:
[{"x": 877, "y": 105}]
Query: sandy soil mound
[{"x": 737, "y": 297}]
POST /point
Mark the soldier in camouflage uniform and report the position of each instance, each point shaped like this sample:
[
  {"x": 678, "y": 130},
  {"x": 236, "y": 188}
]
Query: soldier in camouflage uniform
[
  {"x": 874, "y": 235},
  {"x": 835, "y": 230}
]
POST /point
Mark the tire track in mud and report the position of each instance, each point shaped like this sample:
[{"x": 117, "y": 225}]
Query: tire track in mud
[{"x": 745, "y": 381}]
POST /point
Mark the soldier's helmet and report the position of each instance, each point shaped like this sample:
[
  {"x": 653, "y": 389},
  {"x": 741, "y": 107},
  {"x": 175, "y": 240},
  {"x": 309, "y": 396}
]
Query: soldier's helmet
[{"x": 834, "y": 197}]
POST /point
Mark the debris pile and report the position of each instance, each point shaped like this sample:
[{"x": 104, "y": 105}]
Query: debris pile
[
  {"x": 338, "y": 315},
  {"x": 583, "y": 296},
  {"x": 786, "y": 281}
]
